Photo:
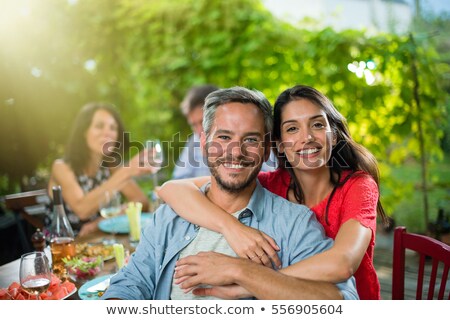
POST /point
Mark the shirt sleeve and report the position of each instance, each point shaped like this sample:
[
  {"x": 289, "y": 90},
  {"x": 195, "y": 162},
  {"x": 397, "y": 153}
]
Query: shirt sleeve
[
  {"x": 360, "y": 201},
  {"x": 136, "y": 281}
]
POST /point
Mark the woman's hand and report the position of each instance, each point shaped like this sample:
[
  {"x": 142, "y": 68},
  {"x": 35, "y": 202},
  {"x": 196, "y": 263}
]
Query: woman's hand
[
  {"x": 250, "y": 243},
  {"x": 89, "y": 227},
  {"x": 140, "y": 164}
]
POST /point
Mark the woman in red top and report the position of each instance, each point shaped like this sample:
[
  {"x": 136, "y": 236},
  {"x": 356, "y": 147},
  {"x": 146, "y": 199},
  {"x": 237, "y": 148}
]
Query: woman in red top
[{"x": 321, "y": 167}]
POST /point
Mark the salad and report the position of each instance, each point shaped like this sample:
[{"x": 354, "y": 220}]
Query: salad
[{"x": 84, "y": 268}]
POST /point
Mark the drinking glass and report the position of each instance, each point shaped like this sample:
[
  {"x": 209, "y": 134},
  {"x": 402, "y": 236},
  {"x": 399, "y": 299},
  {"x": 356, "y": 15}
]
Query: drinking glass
[
  {"x": 155, "y": 157},
  {"x": 34, "y": 273},
  {"x": 110, "y": 207}
]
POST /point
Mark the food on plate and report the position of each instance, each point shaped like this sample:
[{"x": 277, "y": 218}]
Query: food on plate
[
  {"x": 83, "y": 268},
  {"x": 94, "y": 250},
  {"x": 57, "y": 290}
]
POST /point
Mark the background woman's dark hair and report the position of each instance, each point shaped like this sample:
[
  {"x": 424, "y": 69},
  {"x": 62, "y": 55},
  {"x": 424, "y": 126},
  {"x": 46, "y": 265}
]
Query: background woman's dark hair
[
  {"x": 345, "y": 155},
  {"x": 77, "y": 152}
]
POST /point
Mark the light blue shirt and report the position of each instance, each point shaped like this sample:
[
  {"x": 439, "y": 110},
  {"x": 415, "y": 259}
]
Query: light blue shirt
[
  {"x": 150, "y": 271},
  {"x": 191, "y": 162}
]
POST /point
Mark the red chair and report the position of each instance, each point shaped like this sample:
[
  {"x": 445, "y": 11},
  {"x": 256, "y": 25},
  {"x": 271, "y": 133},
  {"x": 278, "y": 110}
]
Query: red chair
[{"x": 425, "y": 246}]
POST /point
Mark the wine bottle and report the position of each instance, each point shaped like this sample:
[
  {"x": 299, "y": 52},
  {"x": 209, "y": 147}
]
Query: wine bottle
[{"x": 61, "y": 236}]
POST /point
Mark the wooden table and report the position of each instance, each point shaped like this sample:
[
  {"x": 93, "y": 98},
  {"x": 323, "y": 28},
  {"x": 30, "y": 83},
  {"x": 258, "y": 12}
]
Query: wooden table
[{"x": 10, "y": 272}]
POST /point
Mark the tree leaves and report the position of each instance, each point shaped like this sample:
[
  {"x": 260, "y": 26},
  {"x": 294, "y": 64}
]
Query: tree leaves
[{"x": 148, "y": 54}]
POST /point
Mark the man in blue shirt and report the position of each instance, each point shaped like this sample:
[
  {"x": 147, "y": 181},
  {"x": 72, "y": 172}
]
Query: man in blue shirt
[{"x": 236, "y": 141}]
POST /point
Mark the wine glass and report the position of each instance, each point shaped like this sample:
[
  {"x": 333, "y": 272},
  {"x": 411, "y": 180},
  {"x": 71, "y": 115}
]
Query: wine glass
[
  {"x": 35, "y": 275},
  {"x": 155, "y": 157},
  {"x": 110, "y": 207}
]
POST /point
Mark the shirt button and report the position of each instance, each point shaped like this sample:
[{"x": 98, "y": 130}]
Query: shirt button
[
  {"x": 187, "y": 238},
  {"x": 245, "y": 214},
  {"x": 160, "y": 266}
]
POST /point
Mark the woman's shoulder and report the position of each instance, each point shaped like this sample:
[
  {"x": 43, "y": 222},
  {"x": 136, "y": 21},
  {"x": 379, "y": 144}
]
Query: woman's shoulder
[
  {"x": 275, "y": 181},
  {"x": 60, "y": 167},
  {"x": 358, "y": 183},
  {"x": 358, "y": 177}
]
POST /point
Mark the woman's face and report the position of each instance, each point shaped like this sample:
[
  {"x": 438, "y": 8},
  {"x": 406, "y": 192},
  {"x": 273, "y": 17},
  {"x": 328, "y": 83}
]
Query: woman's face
[
  {"x": 102, "y": 131},
  {"x": 306, "y": 136}
]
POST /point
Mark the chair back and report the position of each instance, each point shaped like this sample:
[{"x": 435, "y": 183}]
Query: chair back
[
  {"x": 426, "y": 248},
  {"x": 29, "y": 205}
]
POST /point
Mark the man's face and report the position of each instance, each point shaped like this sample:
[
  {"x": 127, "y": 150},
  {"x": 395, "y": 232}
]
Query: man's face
[
  {"x": 235, "y": 148},
  {"x": 195, "y": 119}
]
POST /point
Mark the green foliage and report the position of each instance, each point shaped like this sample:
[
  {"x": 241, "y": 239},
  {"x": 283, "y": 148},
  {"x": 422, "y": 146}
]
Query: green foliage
[
  {"x": 148, "y": 53},
  {"x": 408, "y": 205}
]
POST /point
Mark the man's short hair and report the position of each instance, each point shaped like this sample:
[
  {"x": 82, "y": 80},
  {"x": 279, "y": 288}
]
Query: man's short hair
[
  {"x": 195, "y": 98},
  {"x": 240, "y": 95}
]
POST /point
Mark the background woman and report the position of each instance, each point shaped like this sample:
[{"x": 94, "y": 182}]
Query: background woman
[
  {"x": 93, "y": 165},
  {"x": 321, "y": 166}
]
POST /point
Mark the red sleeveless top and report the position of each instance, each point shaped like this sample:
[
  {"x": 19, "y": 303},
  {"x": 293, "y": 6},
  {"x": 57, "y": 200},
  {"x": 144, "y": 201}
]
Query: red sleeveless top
[{"x": 356, "y": 199}]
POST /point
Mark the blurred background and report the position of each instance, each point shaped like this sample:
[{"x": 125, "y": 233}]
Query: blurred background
[{"x": 384, "y": 64}]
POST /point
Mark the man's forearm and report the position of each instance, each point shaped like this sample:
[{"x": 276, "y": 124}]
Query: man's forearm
[{"x": 265, "y": 283}]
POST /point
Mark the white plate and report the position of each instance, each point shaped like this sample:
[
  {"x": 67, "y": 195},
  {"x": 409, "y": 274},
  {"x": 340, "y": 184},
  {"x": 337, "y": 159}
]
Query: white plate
[
  {"x": 70, "y": 293},
  {"x": 84, "y": 294}
]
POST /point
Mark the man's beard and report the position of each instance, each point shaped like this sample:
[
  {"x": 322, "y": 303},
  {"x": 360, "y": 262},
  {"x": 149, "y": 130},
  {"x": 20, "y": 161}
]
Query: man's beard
[{"x": 232, "y": 186}]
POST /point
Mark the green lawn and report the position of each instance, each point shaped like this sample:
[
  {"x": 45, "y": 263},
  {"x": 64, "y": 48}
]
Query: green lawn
[{"x": 408, "y": 210}]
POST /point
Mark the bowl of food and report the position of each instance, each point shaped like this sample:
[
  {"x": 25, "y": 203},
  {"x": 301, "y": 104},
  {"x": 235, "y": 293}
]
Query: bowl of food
[{"x": 82, "y": 269}]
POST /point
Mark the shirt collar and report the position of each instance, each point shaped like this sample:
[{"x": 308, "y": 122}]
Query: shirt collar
[{"x": 256, "y": 204}]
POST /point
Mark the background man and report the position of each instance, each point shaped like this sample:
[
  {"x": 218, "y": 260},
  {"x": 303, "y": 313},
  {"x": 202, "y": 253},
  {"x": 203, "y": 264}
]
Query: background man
[{"x": 191, "y": 162}]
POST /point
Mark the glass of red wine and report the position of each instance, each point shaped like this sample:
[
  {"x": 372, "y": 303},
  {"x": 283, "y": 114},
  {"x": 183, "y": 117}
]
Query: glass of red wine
[{"x": 35, "y": 274}]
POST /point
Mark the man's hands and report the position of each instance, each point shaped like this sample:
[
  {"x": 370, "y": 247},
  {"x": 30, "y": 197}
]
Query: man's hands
[
  {"x": 210, "y": 268},
  {"x": 218, "y": 270}
]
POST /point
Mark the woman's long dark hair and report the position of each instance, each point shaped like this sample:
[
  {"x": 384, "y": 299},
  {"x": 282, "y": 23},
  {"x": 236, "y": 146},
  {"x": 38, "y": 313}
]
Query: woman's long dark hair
[
  {"x": 77, "y": 152},
  {"x": 345, "y": 155}
]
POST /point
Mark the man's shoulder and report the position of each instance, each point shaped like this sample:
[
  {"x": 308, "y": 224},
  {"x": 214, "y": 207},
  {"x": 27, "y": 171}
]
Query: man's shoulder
[
  {"x": 281, "y": 205},
  {"x": 282, "y": 218},
  {"x": 165, "y": 214},
  {"x": 166, "y": 223}
]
